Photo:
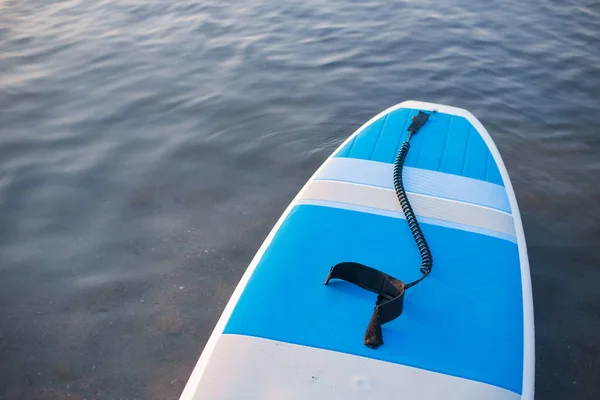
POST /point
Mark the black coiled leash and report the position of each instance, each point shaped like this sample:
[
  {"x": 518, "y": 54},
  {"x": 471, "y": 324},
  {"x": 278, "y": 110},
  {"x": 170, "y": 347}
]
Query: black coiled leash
[{"x": 390, "y": 291}]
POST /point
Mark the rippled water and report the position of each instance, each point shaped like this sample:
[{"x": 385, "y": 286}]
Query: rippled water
[{"x": 147, "y": 147}]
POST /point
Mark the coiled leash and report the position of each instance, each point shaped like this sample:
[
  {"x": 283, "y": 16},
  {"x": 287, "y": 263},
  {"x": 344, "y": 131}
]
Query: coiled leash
[{"x": 390, "y": 291}]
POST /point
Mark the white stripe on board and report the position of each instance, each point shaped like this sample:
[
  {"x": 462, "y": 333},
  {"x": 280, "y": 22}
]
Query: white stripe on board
[
  {"x": 416, "y": 180},
  {"x": 395, "y": 214},
  {"x": 376, "y": 198},
  {"x": 256, "y": 368}
]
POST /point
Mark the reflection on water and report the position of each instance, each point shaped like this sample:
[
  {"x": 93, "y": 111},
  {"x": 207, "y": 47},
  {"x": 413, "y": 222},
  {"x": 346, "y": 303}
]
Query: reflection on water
[{"x": 146, "y": 149}]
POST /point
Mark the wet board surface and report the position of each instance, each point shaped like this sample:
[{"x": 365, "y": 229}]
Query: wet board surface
[{"x": 466, "y": 331}]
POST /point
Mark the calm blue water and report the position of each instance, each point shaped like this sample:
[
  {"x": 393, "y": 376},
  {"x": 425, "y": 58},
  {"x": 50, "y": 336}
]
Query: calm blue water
[{"x": 147, "y": 147}]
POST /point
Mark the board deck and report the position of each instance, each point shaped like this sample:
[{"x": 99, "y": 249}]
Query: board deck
[{"x": 466, "y": 331}]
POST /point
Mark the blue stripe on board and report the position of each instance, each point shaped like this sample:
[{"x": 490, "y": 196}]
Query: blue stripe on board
[
  {"x": 446, "y": 143},
  {"x": 476, "y": 157},
  {"x": 385, "y": 148},
  {"x": 492, "y": 174},
  {"x": 456, "y": 146},
  {"x": 465, "y": 319},
  {"x": 416, "y": 180}
]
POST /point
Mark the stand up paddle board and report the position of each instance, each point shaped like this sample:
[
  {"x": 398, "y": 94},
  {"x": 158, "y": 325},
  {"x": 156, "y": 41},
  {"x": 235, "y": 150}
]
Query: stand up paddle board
[{"x": 429, "y": 296}]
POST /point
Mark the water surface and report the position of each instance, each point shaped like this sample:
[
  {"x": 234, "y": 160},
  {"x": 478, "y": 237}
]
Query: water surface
[{"x": 147, "y": 148}]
